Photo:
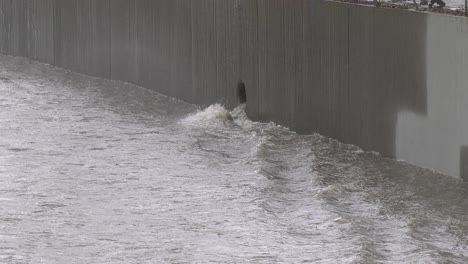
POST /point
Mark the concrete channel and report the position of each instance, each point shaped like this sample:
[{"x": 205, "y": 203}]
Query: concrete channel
[{"x": 388, "y": 80}]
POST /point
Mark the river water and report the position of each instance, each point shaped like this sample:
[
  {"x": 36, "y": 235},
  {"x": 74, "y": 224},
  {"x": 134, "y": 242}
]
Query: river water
[{"x": 97, "y": 171}]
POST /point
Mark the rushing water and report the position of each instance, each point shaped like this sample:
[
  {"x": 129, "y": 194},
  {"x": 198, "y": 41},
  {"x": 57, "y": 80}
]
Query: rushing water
[{"x": 96, "y": 171}]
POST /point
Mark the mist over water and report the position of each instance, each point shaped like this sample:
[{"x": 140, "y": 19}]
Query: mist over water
[{"x": 96, "y": 171}]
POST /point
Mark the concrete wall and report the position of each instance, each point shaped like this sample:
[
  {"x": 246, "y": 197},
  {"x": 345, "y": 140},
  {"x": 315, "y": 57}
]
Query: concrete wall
[
  {"x": 26, "y": 29},
  {"x": 437, "y": 138},
  {"x": 393, "y": 81}
]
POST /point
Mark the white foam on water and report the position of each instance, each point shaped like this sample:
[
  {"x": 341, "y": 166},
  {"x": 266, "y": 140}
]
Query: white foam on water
[{"x": 213, "y": 115}]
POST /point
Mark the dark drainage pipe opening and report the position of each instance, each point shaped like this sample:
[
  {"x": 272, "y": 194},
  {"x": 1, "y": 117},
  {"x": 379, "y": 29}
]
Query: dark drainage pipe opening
[{"x": 241, "y": 93}]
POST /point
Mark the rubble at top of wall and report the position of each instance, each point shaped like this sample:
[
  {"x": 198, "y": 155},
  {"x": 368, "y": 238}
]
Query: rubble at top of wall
[{"x": 408, "y": 4}]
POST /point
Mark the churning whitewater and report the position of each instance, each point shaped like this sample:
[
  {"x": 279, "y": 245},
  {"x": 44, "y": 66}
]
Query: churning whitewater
[{"x": 98, "y": 171}]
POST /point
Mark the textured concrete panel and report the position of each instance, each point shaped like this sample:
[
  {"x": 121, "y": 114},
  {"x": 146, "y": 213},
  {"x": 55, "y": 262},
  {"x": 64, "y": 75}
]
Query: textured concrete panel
[
  {"x": 294, "y": 47},
  {"x": 275, "y": 96},
  {"x": 322, "y": 102},
  {"x": 27, "y": 29},
  {"x": 40, "y": 44},
  {"x": 5, "y": 21},
  {"x": 227, "y": 51},
  {"x": 82, "y": 36},
  {"x": 18, "y": 35},
  {"x": 249, "y": 53},
  {"x": 66, "y": 35},
  {"x": 146, "y": 43},
  {"x": 153, "y": 44},
  {"x": 204, "y": 56},
  {"x": 123, "y": 40},
  {"x": 387, "y": 73},
  {"x": 181, "y": 50},
  {"x": 438, "y": 138}
]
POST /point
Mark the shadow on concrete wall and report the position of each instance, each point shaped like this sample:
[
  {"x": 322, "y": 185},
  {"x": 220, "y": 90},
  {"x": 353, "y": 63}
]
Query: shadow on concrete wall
[
  {"x": 344, "y": 71},
  {"x": 387, "y": 74}
]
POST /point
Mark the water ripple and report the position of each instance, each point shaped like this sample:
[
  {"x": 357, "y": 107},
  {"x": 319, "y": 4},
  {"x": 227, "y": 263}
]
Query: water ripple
[{"x": 96, "y": 171}]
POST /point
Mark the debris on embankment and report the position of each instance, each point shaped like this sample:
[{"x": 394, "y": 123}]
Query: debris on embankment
[{"x": 408, "y": 5}]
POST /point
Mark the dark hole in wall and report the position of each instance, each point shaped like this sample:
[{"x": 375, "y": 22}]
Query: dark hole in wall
[{"x": 241, "y": 93}]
